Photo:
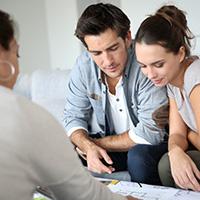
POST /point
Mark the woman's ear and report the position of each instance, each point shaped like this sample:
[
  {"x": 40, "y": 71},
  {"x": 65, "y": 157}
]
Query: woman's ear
[
  {"x": 181, "y": 53},
  {"x": 128, "y": 39},
  {"x": 2, "y": 50}
]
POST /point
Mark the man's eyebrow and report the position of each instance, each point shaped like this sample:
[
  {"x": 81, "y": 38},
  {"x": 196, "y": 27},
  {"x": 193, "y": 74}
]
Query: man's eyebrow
[{"x": 110, "y": 47}]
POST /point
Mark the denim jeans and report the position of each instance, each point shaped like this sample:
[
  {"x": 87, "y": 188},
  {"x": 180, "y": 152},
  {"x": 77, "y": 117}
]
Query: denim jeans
[
  {"x": 119, "y": 158},
  {"x": 142, "y": 162}
]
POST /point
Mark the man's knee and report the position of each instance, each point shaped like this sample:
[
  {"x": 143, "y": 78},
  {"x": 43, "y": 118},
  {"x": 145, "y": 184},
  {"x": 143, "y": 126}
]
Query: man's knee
[
  {"x": 138, "y": 163},
  {"x": 143, "y": 161},
  {"x": 146, "y": 154},
  {"x": 136, "y": 154}
]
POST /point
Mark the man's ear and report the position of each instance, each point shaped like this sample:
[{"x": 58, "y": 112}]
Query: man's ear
[
  {"x": 128, "y": 39},
  {"x": 181, "y": 53}
]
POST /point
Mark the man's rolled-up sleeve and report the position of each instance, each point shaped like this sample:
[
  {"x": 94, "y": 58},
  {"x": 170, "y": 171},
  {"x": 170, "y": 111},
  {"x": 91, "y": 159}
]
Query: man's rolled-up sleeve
[
  {"x": 77, "y": 108},
  {"x": 152, "y": 110}
]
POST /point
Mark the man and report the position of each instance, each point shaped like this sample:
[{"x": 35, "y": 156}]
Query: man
[{"x": 128, "y": 107}]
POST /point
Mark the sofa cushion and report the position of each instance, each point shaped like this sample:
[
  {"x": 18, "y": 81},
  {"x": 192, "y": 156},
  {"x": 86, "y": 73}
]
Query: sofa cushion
[
  {"x": 54, "y": 106},
  {"x": 49, "y": 88},
  {"x": 49, "y": 84},
  {"x": 23, "y": 85}
]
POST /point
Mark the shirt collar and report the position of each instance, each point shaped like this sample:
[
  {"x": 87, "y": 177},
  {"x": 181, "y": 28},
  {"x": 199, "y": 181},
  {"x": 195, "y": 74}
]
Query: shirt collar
[{"x": 131, "y": 56}]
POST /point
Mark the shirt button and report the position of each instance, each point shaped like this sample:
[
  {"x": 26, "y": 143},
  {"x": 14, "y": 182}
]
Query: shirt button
[
  {"x": 117, "y": 99},
  {"x": 120, "y": 110}
]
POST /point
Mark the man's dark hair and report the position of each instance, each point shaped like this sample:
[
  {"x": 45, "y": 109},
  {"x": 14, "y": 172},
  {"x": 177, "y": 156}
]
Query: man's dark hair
[{"x": 97, "y": 18}]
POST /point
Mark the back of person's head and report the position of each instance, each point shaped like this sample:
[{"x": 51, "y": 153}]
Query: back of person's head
[
  {"x": 9, "y": 68},
  {"x": 168, "y": 28},
  {"x": 6, "y": 30},
  {"x": 97, "y": 18}
]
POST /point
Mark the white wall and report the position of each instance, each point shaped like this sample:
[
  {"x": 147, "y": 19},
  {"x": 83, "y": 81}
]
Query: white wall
[
  {"x": 61, "y": 22},
  {"x": 34, "y": 45},
  {"x": 137, "y": 11},
  {"x": 47, "y": 27}
]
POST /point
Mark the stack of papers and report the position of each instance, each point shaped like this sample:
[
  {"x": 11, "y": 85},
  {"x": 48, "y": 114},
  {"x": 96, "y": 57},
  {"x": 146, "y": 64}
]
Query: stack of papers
[{"x": 149, "y": 192}]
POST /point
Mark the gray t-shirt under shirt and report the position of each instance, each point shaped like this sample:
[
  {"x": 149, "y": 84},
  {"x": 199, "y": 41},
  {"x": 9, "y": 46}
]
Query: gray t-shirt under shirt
[{"x": 191, "y": 79}]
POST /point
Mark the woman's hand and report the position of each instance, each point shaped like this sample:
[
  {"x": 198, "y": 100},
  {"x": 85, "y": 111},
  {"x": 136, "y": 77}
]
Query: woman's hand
[{"x": 184, "y": 170}]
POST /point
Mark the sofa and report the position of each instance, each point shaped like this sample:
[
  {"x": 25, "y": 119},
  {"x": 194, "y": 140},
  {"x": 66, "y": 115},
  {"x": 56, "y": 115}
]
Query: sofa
[{"x": 47, "y": 88}]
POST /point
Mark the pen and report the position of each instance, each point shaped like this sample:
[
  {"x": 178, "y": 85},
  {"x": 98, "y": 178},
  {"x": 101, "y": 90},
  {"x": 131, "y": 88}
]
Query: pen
[
  {"x": 139, "y": 184},
  {"x": 44, "y": 192}
]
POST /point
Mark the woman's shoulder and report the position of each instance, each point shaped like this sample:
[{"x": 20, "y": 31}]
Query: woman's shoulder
[
  {"x": 192, "y": 76},
  {"x": 193, "y": 68},
  {"x": 11, "y": 98}
]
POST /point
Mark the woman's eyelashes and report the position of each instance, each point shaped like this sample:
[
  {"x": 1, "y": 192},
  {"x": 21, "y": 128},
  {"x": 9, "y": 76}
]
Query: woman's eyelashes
[{"x": 159, "y": 65}]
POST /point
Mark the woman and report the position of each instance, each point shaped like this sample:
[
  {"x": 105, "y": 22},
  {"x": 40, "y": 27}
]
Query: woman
[
  {"x": 34, "y": 147},
  {"x": 163, "y": 51}
]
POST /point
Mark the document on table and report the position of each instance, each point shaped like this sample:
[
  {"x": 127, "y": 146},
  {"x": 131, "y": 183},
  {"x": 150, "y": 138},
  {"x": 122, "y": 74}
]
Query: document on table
[
  {"x": 38, "y": 196},
  {"x": 42, "y": 194},
  {"x": 149, "y": 192}
]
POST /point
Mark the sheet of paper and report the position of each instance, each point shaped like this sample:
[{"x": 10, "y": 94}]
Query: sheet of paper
[
  {"x": 38, "y": 196},
  {"x": 149, "y": 192}
]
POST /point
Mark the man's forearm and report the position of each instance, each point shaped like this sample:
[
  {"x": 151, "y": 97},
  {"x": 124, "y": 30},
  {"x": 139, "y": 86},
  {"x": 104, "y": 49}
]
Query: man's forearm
[
  {"x": 115, "y": 143},
  {"x": 81, "y": 139}
]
